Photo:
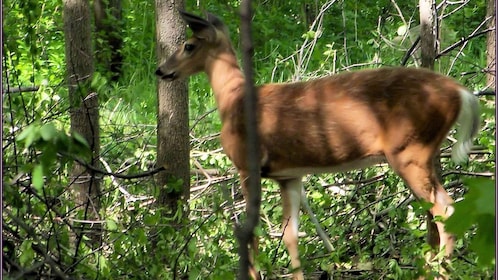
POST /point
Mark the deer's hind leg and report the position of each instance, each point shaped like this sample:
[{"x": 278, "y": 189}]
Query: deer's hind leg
[{"x": 415, "y": 164}]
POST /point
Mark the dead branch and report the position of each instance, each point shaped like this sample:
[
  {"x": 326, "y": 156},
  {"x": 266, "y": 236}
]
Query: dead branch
[
  {"x": 20, "y": 89},
  {"x": 462, "y": 41}
]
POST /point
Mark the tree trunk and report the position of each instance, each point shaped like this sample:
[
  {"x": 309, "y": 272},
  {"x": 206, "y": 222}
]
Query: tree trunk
[
  {"x": 310, "y": 12},
  {"x": 172, "y": 123},
  {"x": 428, "y": 50},
  {"x": 491, "y": 44},
  {"x": 84, "y": 111},
  {"x": 108, "y": 43},
  {"x": 427, "y": 33},
  {"x": 245, "y": 232}
]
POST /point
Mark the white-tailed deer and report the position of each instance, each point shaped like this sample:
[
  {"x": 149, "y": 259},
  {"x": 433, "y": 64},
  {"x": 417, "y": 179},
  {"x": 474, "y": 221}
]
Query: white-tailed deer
[{"x": 335, "y": 123}]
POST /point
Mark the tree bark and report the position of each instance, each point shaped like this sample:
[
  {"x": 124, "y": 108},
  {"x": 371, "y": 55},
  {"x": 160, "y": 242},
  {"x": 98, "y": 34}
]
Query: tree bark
[
  {"x": 108, "y": 26},
  {"x": 84, "y": 111},
  {"x": 172, "y": 122},
  {"x": 491, "y": 44},
  {"x": 311, "y": 8},
  {"x": 245, "y": 232},
  {"x": 427, "y": 33},
  {"x": 428, "y": 50}
]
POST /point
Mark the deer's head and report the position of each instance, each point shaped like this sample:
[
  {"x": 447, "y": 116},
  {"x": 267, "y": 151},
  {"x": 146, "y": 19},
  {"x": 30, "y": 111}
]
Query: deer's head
[{"x": 210, "y": 36}]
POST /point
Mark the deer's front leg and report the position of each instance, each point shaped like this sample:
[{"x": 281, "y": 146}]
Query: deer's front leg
[
  {"x": 290, "y": 191},
  {"x": 253, "y": 246}
]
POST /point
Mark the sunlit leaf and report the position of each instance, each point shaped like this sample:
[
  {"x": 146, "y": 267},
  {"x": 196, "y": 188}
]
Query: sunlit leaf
[
  {"x": 102, "y": 262},
  {"x": 111, "y": 224},
  {"x": 37, "y": 177}
]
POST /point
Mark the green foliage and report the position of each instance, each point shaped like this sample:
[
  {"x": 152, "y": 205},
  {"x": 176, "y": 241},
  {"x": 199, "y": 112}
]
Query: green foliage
[
  {"x": 477, "y": 208},
  {"x": 51, "y": 143},
  {"x": 27, "y": 254}
]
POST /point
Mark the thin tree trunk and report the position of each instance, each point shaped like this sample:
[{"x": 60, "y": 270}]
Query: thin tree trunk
[
  {"x": 427, "y": 33},
  {"x": 84, "y": 111},
  {"x": 108, "y": 26},
  {"x": 172, "y": 122},
  {"x": 428, "y": 50},
  {"x": 245, "y": 233},
  {"x": 491, "y": 44}
]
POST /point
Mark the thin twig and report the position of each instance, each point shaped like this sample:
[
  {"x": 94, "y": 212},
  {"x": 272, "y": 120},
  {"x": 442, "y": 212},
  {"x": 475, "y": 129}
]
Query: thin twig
[
  {"x": 201, "y": 117},
  {"x": 175, "y": 266},
  {"x": 319, "y": 229}
]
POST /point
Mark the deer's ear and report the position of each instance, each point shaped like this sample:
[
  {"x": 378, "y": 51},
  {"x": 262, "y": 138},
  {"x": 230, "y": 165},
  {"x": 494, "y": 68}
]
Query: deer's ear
[
  {"x": 202, "y": 28},
  {"x": 214, "y": 20}
]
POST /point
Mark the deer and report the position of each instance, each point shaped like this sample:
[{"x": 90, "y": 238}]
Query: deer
[{"x": 336, "y": 123}]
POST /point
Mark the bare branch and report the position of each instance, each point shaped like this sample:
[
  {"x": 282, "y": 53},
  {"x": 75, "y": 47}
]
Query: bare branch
[
  {"x": 410, "y": 51},
  {"x": 20, "y": 89},
  {"x": 462, "y": 41},
  {"x": 118, "y": 175}
]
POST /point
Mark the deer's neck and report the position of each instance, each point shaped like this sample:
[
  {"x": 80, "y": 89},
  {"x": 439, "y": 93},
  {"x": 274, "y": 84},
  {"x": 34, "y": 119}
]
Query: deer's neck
[{"x": 227, "y": 81}]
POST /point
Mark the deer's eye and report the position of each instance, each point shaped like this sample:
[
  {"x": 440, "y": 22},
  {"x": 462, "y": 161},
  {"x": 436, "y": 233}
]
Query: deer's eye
[{"x": 189, "y": 47}]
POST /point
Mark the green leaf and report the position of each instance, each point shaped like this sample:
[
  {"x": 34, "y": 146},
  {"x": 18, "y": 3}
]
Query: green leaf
[
  {"x": 48, "y": 132},
  {"x": 483, "y": 191},
  {"x": 174, "y": 185},
  {"x": 25, "y": 133},
  {"x": 27, "y": 254},
  {"x": 151, "y": 220},
  {"x": 477, "y": 208},
  {"x": 422, "y": 205},
  {"x": 316, "y": 195},
  {"x": 479, "y": 200},
  {"x": 193, "y": 249},
  {"x": 29, "y": 135},
  {"x": 111, "y": 224},
  {"x": 37, "y": 177},
  {"x": 102, "y": 262},
  {"x": 459, "y": 222},
  {"x": 309, "y": 35},
  {"x": 402, "y": 30},
  {"x": 95, "y": 80},
  {"x": 485, "y": 239},
  {"x": 49, "y": 155},
  {"x": 141, "y": 236}
]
